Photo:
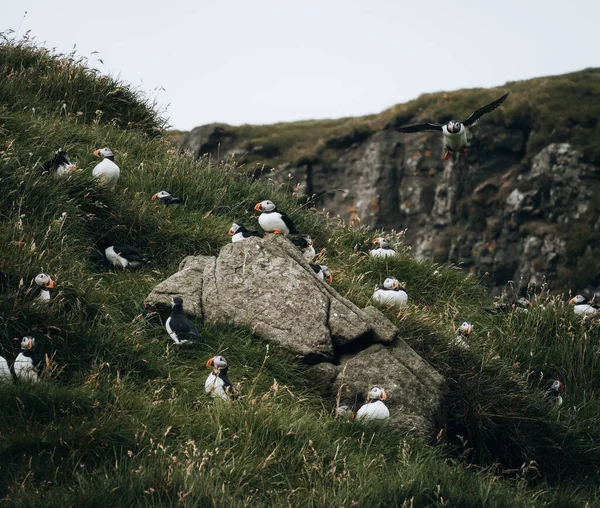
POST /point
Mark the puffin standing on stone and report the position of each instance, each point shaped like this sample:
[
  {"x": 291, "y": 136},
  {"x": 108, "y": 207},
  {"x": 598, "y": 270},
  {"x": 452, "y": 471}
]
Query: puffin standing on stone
[
  {"x": 455, "y": 134},
  {"x": 106, "y": 171},
  {"x": 462, "y": 334},
  {"x": 553, "y": 392},
  {"x": 390, "y": 293},
  {"x": 306, "y": 246},
  {"x": 274, "y": 221},
  {"x": 45, "y": 282},
  {"x": 374, "y": 409},
  {"x": 217, "y": 383},
  {"x": 124, "y": 256},
  {"x": 60, "y": 163},
  {"x": 24, "y": 367},
  {"x": 323, "y": 272},
  {"x": 239, "y": 233},
  {"x": 166, "y": 198},
  {"x": 382, "y": 249},
  {"x": 179, "y": 327},
  {"x": 581, "y": 305}
]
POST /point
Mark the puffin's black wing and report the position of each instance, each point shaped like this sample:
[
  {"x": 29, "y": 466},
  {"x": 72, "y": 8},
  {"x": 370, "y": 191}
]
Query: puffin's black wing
[
  {"x": 430, "y": 126},
  {"x": 185, "y": 328},
  {"x": 301, "y": 242},
  {"x": 249, "y": 232},
  {"x": 288, "y": 222},
  {"x": 173, "y": 200},
  {"x": 130, "y": 253},
  {"x": 484, "y": 110},
  {"x": 227, "y": 386},
  {"x": 316, "y": 268}
]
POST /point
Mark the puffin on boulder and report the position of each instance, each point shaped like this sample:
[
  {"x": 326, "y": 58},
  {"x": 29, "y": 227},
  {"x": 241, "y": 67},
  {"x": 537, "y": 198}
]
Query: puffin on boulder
[
  {"x": 582, "y": 305},
  {"x": 553, "y": 392},
  {"x": 323, "y": 272},
  {"x": 274, "y": 221},
  {"x": 124, "y": 256},
  {"x": 106, "y": 171},
  {"x": 24, "y": 367},
  {"x": 374, "y": 409},
  {"x": 455, "y": 134},
  {"x": 45, "y": 282},
  {"x": 306, "y": 245},
  {"x": 390, "y": 293},
  {"x": 166, "y": 198},
  {"x": 60, "y": 163},
  {"x": 217, "y": 383},
  {"x": 238, "y": 232},
  {"x": 179, "y": 327},
  {"x": 382, "y": 249}
]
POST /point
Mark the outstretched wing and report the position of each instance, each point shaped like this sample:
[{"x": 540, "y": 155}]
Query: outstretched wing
[
  {"x": 484, "y": 110},
  {"x": 421, "y": 127}
]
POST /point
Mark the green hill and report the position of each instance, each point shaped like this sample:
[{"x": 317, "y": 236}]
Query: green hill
[{"x": 121, "y": 418}]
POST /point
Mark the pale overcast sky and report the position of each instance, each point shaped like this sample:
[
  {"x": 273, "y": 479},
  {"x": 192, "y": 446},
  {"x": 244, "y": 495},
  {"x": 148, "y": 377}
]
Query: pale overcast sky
[{"x": 264, "y": 61}]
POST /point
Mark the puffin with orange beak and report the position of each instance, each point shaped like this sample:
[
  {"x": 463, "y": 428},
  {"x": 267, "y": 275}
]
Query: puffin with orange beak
[
  {"x": 45, "y": 282},
  {"x": 107, "y": 172},
  {"x": 24, "y": 366},
  {"x": 306, "y": 245},
  {"x": 217, "y": 384},
  {"x": 382, "y": 249},
  {"x": 582, "y": 306},
  {"x": 323, "y": 272},
  {"x": 391, "y": 294},
  {"x": 239, "y": 233},
  {"x": 462, "y": 334},
  {"x": 166, "y": 198},
  {"x": 374, "y": 409},
  {"x": 274, "y": 221}
]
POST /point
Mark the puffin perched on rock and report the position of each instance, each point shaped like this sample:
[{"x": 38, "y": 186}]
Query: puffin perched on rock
[
  {"x": 306, "y": 246},
  {"x": 455, "y": 134},
  {"x": 553, "y": 392},
  {"x": 239, "y": 233},
  {"x": 382, "y": 249},
  {"x": 323, "y": 272},
  {"x": 217, "y": 383},
  {"x": 581, "y": 305},
  {"x": 374, "y": 409},
  {"x": 124, "y": 256},
  {"x": 274, "y": 221},
  {"x": 60, "y": 163},
  {"x": 45, "y": 283},
  {"x": 24, "y": 366},
  {"x": 179, "y": 327},
  {"x": 462, "y": 334},
  {"x": 166, "y": 198},
  {"x": 106, "y": 171},
  {"x": 390, "y": 293}
]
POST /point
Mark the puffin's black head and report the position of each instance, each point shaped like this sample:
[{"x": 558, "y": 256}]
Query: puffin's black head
[
  {"x": 454, "y": 126},
  {"x": 161, "y": 195},
  {"x": 177, "y": 300},
  {"x": 381, "y": 243},
  {"x": 104, "y": 153},
  {"x": 60, "y": 159},
  {"x": 44, "y": 280}
]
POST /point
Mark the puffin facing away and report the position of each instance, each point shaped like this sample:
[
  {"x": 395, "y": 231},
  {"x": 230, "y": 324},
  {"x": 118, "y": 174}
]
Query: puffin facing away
[
  {"x": 217, "y": 383},
  {"x": 323, "y": 272},
  {"x": 60, "y": 163},
  {"x": 306, "y": 246},
  {"x": 124, "y": 256},
  {"x": 462, "y": 334},
  {"x": 106, "y": 171},
  {"x": 374, "y": 409},
  {"x": 238, "y": 232},
  {"x": 24, "y": 367},
  {"x": 553, "y": 392},
  {"x": 455, "y": 134},
  {"x": 45, "y": 282},
  {"x": 390, "y": 293},
  {"x": 274, "y": 221},
  {"x": 581, "y": 305},
  {"x": 166, "y": 198},
  {"x": 179, "y": 327},
  {"x": 382, "y": 249}
]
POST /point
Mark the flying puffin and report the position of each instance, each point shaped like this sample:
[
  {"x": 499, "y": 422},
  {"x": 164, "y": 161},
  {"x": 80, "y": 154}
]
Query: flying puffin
[
  {"x": 166, "y": 198},
  {"x": 5, "y": 374},
  {"x": 374, "y": 409},
  {"x": 455, "y": 134},
  {"x": 553, "y": 390},
  {"x": 581, "y": 305},
  {"x": 323, "y": 272},
  {"x": 383, "y": 248},
  {"x": 60, "y": 163},
  {"x": 45, "y": 283},
  {"x": 273, "y": 221},
  {"x": 217, "y": 383},
  {"x": 343, "y": 412},
  {"x": 238, "y": 232},
  {"x": 390, "y": 293},
  {"x": 462, "y": 334},
  {"x": 306, "y": 246},
  {"x": 106, "y": 170},
  {"x": 24, "y": 368},
  {"x": 124, "y": 256},
  {"x": 179, "y": 327}
]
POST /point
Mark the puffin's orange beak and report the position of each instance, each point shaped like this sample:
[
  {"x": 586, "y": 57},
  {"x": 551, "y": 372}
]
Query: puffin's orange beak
[
  {"x": 258, "y": 207},
  {"x": 562, "y": 387},
  {"x": 395, "y": 285},
  {"x": 29, "y": 344},
  {"x": 572, "y": 301},
  {"x": 97, "y": 153},
  {"x": 155, "y": 196},
  {"x": 383, "y": 395},
  {"x": 210, "y": 362},
  {"x": 49, "y": 284},
  {"x": 375, "y": 240},
  {"x": 330, "y": 278}
]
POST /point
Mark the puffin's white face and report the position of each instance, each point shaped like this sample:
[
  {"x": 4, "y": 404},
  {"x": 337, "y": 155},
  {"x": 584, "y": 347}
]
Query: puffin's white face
[
  {"x": 377, "y": 393},
  {"x": 218, "y": 362},
  {"x": 381, "y": 242},
  {"x": 454, "y": 126},
  {"x": 578, "y": 300},
  {"x": 342, "y": 410},
  {"x": 466, "y": 328},
  {"x": 557, "y": 385},
  {"x": 27, "y": 343},
  {"x": 391, "y": 283},
  {"x": 44, "y": 281},
  {"x": 326, "y": 273},
  {"x": 523, "y": 302},
  {"x": 161, "y": 195},
  {"x": 104, "y": 152},
  {"x": 265, "y": 206},
  {"x": 233, "y": 229}
]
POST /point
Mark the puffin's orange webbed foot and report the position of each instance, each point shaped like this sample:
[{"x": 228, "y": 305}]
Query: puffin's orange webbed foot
[
  {"x": 446, "y": 155},
  {"x": 277, "y": 232}
]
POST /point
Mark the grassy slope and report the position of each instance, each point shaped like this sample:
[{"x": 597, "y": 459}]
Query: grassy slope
[{"x": 121, "y": 418}]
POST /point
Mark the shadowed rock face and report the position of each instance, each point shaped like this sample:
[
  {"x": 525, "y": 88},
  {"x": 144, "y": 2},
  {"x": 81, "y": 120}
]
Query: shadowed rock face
[{"x": 266, "y": 285}]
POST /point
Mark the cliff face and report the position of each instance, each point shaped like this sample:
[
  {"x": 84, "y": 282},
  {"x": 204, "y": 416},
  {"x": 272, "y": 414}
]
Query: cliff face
[{"x": 523, "y": 206}]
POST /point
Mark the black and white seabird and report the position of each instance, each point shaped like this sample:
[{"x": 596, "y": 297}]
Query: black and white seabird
[
  {"x": 306, "y": 245},
  {"x": 582, "y": 305},
  {"x": 24, "y": 366},
  {"x": 522, "y": 304},
  {"x": 166, "y": 198},
  {"x": 5, "y": 374},
  {"x": 382, "y": 249},
  {"x": 343, "y": 412},
  {"x": 274, "y": 221},
  {"x": 238, "y": 232},
  {"x": 374, "y": 409},
  {"x": 323, "y": 272},
  {"x": 181, "y": 328},
  {"x": 60, "y": 163},
  {"x": 106, "y": 171},
  {"x": 390, "y": 293},
  {"x": 553, "y": 392},
  {"x": 462, "y": 334},
  {"x": 455, "y": 134},
  {"x": 45, "y": 282},
  {"x": 124, "y": 256},
  {"x": 217, "y": 383}
]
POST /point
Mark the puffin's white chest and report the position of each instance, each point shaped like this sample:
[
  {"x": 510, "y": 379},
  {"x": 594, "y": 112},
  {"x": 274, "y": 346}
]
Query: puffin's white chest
[
  {"x": 272, "y": 221},
  {"x": 460, "y": 342},
  {"x": 373, "y": 411},
  {"x": 238, "y": 237},
  {"x": 115, "y": 259},
  {"x": 308, "y": 254},
  {"x": 320, "y": 274},
  {"x": 5, "y": 374},
  {"x": 382, "y": 253},
  {"x": 584, "y": 308},
  {"x": 24, "y": 369},
  {"x": 108, "y": 172},
  {"x": 170, "y": 331},
  {"x": 214, "y": 386},
  {"x": 396, "y": 299},
  {"x": 65, "y": 169},
  {"x": 456, "y": 141},
  {"x": 44, "y": 296}
]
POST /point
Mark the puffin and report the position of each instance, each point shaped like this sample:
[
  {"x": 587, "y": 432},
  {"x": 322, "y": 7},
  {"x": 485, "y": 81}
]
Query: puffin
[
  {"x": 5, "y": 374},
  {"x": 179, "y": 327},
  {"x": 238, "y": 232},
  {"x": 166, "y": 198},
  {"x": 553, "y": 392},
  {"x": 45, "y": 282},
  {"x": 323, "y": 272},
  {"x": 581, "y": 305},
  {"x": 374, "y": 409},
  {"x": 306, "y": 246},
  {"x": 217, "y": 383},
  {"x": 106, "y": 170},
  {"x": 390, "y": 293},
  {"x": 343, "y": 412},
  {"x": 24, "y": 368},
  {"x": 383, "y": 248},
  {"x": 455, "y": 134},
  {"x": 60, "y": 163},
  {"x": 462, "y": 334},
  {"x": 274, "y": 221},
  {"x": 124, "y": 256},
  {"x": 521, "y": 304}
]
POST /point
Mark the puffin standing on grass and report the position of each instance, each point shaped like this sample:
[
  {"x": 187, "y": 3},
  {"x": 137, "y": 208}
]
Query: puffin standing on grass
[
  {"x": 455, "y": 134},
  {"x": 390, "y": 293},
  {"x": 24, "y": 368},
  {"x": 462, "y": 334},
  {"x": 383, "y": 249},
  {"x": 581, "y": 305},
  {"x": 217, "y": 383},
  {"x": 323, "y": 272},
  {"x": 181, "y": 328},
  {"x": 60, "y": 163},
  {"x": 124, "y": 256},
  {"x": 106, "y": 171},
  {"x": 166, "y": 198},
  {"x": 239, "y": 233},
  {"x": 45, "y": 282},
  {"x": 553, "y": 392},
  {"x": 306, "y": 246},
  {"x": 5, "y": 374},
  {"x": 274, "y": 221},
  {"x": 374, "y": 409}
]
